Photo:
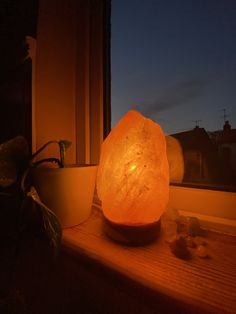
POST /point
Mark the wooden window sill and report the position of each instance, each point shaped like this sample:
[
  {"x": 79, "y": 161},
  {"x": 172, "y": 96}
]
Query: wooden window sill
[{"x": 165, "y": 283}]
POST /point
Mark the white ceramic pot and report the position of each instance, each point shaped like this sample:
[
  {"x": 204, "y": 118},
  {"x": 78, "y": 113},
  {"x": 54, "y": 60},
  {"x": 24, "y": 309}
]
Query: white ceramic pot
[{"x": 68, "y": 191}]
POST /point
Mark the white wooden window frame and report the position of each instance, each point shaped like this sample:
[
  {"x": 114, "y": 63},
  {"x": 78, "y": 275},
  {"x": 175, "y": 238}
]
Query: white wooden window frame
[{"x": 90, "y": 106}]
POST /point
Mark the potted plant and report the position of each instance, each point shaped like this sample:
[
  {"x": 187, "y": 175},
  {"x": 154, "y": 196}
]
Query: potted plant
[
  {"x": 66, "y": 189},
  {"x": 60, "y": 194}
]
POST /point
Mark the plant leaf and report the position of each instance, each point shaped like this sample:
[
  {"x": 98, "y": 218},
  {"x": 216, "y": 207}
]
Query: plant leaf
[
  {"x": 65, "y": 143},
  {"x": 42, "y": 148},
  {"x": 46, "y": 160},
  {"x": 51, "y": 223}
]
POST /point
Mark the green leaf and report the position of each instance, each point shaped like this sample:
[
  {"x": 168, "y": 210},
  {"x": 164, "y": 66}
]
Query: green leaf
[
  {"x": 64, "y": 144},
  {"x": 42, "y": 148},
  {"x": 51, "y": 223}
]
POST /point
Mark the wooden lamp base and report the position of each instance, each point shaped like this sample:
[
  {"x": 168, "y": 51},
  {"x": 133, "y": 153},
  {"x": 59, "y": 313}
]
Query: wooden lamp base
[{"x": 132, "y": 235}]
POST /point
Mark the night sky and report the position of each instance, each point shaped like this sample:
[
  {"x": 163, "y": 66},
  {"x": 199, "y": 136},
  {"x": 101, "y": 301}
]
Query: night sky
[{"x": 175, "y": 61}]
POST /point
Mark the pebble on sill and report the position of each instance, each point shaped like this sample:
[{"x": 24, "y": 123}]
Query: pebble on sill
[{"x": 184, "y": 235}]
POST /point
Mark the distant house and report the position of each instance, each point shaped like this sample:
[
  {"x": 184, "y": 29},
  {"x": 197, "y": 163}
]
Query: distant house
[
  {"x": 209, "y": 157},
  {"x": 201, "y": 161},
  {"x": 225, "y": 140},
  {"x": 198, "y": 150}
]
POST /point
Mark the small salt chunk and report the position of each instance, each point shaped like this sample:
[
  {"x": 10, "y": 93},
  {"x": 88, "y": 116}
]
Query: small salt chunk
[
  {"x": 179, "y": 248},
  {"x": 190, "y": 242},
  {"x": 181, "y": 224},
  {"x": 202, "y": 251},
  {"x": 199, "y": 241},
  {"x": 170, "y": 230},
  {"x": 171, "y": 213},
  {"x": 193, "y": 226}
]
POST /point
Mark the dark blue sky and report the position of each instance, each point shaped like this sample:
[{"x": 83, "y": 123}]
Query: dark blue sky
[{"x": 175, "y": 61}]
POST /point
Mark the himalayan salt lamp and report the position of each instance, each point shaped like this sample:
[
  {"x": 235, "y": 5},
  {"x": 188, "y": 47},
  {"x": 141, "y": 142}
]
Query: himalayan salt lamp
[{"x": 133, "y": 179}]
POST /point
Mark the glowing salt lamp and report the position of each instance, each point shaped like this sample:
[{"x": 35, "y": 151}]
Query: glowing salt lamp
[{"x": 133, "y": 179}]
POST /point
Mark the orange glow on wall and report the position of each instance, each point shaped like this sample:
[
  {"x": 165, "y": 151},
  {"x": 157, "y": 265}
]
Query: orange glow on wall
[{"x": 133, "y": 174}]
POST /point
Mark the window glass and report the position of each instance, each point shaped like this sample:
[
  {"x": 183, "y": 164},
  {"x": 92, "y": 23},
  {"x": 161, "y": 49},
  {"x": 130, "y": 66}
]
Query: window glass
[{"x": 175, "y": 62}]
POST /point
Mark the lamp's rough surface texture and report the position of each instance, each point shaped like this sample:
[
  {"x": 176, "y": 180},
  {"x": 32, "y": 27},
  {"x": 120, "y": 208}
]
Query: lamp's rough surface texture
[{"x": 133, "y": 174}]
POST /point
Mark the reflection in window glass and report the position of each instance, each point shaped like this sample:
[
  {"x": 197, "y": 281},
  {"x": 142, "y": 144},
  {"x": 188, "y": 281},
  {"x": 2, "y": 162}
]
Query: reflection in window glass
[{"x": 175, "y": 62}]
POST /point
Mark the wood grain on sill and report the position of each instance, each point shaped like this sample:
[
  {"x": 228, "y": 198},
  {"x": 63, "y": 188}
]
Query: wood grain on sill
[{"x": 207, "y": 284}]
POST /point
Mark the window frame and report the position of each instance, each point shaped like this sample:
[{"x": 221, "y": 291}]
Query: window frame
[
  {"x": 91, "y": 109},
  {"x": 71, "y": 77}
]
